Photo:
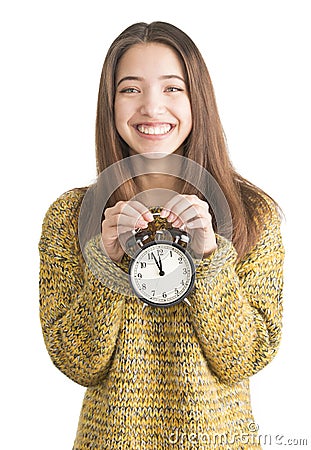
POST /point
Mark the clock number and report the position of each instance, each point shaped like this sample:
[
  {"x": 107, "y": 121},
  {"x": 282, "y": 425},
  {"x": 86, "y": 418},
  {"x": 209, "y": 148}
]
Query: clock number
[
  {"x": 176, "y": 291},
  {"x": 143, "y": 286},
  {"x": 180, "y": 259},
  {"x": 160, "y": 251},
  {"x": 139, "y": 275},
  {"x": 164, "y": 295},
  {"x": 153, "y": 293},
  {"x": 185, "y": 271},
  {"x": 143, "y": 265}
]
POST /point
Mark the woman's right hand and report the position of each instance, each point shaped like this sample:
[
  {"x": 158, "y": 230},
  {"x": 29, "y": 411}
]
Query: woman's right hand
[{"x": 119, "y": 221}]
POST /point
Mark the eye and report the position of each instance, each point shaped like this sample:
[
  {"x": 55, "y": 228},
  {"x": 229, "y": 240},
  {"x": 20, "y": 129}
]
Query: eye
[
  {"x": 173, "y": 89},
  {"x": 129, "y": 90}
]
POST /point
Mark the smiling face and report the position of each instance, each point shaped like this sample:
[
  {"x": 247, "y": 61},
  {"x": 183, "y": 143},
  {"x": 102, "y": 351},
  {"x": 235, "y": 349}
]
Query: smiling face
[{"x": 152, "y": 106}]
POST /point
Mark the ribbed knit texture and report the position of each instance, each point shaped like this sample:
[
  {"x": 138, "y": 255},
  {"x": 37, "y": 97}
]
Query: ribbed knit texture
[{"x": 160, "y": 378}]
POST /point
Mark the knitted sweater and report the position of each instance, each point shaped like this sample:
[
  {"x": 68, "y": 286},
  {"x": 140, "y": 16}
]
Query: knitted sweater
[{"x": 160, "y": 378}]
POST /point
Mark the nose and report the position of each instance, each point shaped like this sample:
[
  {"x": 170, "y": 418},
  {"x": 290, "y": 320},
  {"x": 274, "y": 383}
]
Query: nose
[{"x": 152, "y": 104}]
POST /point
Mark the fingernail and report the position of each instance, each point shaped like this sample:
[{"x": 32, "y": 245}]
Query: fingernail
[
  {"x": 177, "y": 223},
  {"x": 142, "y": 224},
  {"x": 150, "y": 216},
  {"x": 164, "y": 213}
]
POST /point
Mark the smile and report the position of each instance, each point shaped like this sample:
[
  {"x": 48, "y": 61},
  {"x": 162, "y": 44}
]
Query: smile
[{"x": 157, "y": 130}]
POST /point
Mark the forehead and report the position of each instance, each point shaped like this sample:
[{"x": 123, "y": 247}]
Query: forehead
[{"x": 149, "y": 60}]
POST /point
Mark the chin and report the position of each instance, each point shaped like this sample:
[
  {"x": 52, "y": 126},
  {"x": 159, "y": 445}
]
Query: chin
[{"x": 155, "y": 154}]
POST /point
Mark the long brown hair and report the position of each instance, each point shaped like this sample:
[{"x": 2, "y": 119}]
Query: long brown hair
[{"x": 206, "y": 143}]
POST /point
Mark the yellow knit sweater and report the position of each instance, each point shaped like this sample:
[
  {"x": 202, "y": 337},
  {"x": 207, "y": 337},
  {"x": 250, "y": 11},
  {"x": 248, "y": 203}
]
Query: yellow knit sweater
[{"x": 160, "y": 378}]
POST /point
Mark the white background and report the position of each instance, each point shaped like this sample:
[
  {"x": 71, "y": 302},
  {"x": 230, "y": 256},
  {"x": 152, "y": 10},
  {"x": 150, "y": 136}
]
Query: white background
[{"x": 258, "y": 54}]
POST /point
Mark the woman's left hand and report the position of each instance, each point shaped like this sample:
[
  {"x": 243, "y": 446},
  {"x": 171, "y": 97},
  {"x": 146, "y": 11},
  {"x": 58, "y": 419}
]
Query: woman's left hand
[{"x": 191, "y": 213}]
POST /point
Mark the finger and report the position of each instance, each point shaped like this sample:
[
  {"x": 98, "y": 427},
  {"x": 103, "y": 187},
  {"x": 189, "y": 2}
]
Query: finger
[
  {"x": 189, "y": 215},
  {"x": 130, "y": 223},
  {"x": 111, "y": 230},
  {"x": 175, "y": 207},
  {"x": 198, "y": 203},
  {"x": 178, "y": 223},
  {"x": 131, "y": 208},
  {"x": 180, "y": 203},
  {"x": 195, "y": 211},
  {"x": 141, "y": 210},
  {"x": 120, "y": 235},
  {"x": 183, "y": 212},
  {"x": 131, "y": 214},
  {"x": 203, "y": 223},
  {"x": 170, "y": 205},
  {"x": 114, "y": 210},
  {"x": 116, "y": 225}
]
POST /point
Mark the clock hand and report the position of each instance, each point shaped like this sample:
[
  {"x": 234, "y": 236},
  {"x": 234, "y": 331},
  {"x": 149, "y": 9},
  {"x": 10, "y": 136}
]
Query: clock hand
[{"x": 159, "y": 264}]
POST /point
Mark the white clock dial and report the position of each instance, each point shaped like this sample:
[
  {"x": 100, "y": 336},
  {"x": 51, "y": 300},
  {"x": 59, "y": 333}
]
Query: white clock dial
[{"x": 162, "y": 273}]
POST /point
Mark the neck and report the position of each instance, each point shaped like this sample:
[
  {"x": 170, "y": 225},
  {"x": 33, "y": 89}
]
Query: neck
[
  {"x": 156, "y": 169},
  {"x": 157, "y": 174}
]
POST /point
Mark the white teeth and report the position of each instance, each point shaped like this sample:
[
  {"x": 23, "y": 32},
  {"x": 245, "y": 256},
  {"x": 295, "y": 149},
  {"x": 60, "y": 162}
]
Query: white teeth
[{"x": 161, "y": 129}]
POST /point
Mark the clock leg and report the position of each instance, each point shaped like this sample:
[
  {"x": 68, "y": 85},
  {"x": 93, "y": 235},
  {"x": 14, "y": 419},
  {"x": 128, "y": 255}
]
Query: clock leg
[{"x": 187, "y": 301}]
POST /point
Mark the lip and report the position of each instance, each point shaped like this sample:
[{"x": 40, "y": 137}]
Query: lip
[{"x": 153, "y": 125}]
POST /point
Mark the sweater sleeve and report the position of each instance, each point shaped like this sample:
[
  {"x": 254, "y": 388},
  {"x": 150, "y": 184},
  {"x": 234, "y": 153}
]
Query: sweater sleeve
[
  {"x": 80, "y": 315},
  {"x": 237, "y": 307}
]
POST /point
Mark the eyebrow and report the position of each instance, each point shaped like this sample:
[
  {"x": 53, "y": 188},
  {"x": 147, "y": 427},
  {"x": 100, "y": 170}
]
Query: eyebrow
[{"x": 163, "y": 77}]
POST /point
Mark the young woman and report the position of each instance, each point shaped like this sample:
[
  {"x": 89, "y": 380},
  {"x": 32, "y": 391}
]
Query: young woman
[{"x": 175, "y": 377}]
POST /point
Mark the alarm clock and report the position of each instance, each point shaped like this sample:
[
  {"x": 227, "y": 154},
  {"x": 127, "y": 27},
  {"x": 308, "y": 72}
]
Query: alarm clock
[{"x": 161, "y": 269}]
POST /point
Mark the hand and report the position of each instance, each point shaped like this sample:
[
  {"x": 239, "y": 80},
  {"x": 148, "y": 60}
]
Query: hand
[
  {"x": 159, "y": 265},
  {"x": 192, "y": 213},
  {"x": 119, "y": 221}
]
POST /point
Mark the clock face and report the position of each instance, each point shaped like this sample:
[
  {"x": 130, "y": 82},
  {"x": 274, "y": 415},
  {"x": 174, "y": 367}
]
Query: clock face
[{"x": 162, "y": 273}]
